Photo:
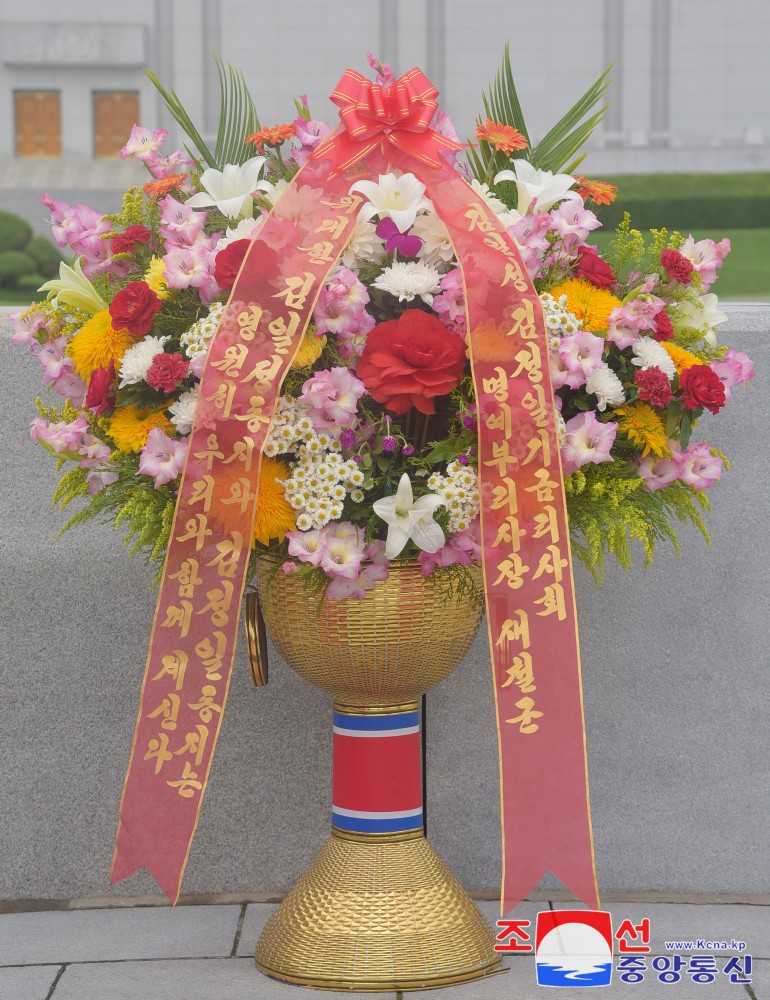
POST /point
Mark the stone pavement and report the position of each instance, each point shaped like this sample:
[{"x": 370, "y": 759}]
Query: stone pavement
[{"x": 204, "y": 952}]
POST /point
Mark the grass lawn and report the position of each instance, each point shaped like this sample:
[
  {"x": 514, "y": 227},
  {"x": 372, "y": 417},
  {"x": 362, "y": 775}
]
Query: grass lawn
[
  {"x": 9, "y": 297},
  {"x": 745, "y": 273}
]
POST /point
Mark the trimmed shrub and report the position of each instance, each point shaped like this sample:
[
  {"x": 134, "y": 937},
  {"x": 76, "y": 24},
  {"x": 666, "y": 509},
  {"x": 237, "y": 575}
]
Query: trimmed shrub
[
  {"x": 14, "y": 265},
  {"x": 15, "y": 233},
  {"x": 30, "y": 282},
  {"x": 45, "y": 255},
  {"x": 689, "y": 213}
]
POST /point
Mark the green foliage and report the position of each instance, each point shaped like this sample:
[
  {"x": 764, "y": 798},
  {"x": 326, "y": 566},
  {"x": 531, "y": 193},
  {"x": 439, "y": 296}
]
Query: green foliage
[
  {"x": 609, "y": 508},
  {"x": 30, "y": 282},
  {"x": 133, "y": 503},
  {"x": 557, "y": 148},
  {"x": 237, "y": 117},
  {"x": 45, "y": 254},
  {"x": 14, "y": 265},
  {"x": 15, "y": 233}
]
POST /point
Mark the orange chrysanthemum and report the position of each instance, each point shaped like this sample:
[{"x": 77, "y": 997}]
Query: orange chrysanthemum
[
  {"x": 588, "y": 303},
  {"x": 162, "y": 186},
  {"x": 274, "y": 515},
  {"x": 271, "y": 136},
  {"x": 503, "y": 137},
  {"x": 601, "y": 192},
  {"x": 130, "y": 426},
  {"x": 97, "y": 344},
  {"x": 682, "y": 358}
]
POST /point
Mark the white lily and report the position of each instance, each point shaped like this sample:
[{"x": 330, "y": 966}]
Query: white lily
[
  {"x": 72, "y": 288},
  {"x": 701, "y": 315},
  {"x": 532, "y": 183},
  {"x": 398, "y": 198},
  {"x": 231, "y": 189},
  {"x": 409, "y": 518}
]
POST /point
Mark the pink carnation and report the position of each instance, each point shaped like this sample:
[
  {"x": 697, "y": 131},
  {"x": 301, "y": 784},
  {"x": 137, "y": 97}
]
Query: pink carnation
[{"x": 332, "y": 396}]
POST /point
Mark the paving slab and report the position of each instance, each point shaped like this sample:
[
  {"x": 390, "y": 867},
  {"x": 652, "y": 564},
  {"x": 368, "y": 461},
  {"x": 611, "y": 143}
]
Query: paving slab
[
  {"x": 113, "y": 935},
  {"x": 30, "y": 982},
  {"x": 194, "y": 979},
  {"x": 760, "y": 980}
]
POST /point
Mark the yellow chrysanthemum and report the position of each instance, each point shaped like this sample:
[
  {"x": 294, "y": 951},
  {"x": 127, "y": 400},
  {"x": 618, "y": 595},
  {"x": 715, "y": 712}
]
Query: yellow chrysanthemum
[
  {"x": 644, "y": 428},
  {"x": 275, "y": 515},
  {"x": 309, "y": 350},
  {"x": 682, "y": 358},
  {"x": 130, "y": 426},
  {"x": 97, "y": 344},
  {"x": 155, "y": 277},
  {"x": 590, "y": 304}
]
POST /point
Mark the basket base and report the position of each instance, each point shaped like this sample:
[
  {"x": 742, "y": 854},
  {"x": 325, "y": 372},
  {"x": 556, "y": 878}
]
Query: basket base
[{"x": 377, "y": 915}]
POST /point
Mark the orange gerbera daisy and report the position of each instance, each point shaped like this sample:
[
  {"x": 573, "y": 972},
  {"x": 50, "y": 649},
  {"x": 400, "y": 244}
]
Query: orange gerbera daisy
[
  {"x": 602, "y": 192},
  {"x": 162, "y": 186},
  {"x": 503, "y": 137},
  {"x": 273, "y": 136}
]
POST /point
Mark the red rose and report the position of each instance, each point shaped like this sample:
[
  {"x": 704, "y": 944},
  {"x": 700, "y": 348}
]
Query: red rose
[
  {"x": 701, "y": 386},
  {"x": 663, "y": 328},
  {"x": 228, "y": 261},
  {"x": 408, "y": 361},
  {"x": 133, "y": 309},
  {"x": 101, "y": 392},
  {"x": 589, "y": 265}
]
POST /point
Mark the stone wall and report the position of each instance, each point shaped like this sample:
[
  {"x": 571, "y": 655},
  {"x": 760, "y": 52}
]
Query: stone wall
[{"x": 674, "y": 666}]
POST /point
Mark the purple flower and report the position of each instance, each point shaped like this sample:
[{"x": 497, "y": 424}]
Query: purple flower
[
  {"x": 389, "y": 443},
  {"x": 348, "y": 438},
  {"x": 407, "y": 450},
  {"x": 405, "y": 244}
]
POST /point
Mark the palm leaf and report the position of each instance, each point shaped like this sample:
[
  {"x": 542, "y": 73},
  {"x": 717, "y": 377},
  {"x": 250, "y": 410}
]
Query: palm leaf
[
  {"x": 237, "y": 117},
  {"x": 501, "y": 104},
  {"x": 178, "y": 113},
  {"x": 570, "y": 133}
]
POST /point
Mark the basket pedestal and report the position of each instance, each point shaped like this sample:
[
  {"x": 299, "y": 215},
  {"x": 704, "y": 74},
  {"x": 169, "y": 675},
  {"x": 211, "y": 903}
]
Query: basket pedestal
[{"x": 377, "y": 909}]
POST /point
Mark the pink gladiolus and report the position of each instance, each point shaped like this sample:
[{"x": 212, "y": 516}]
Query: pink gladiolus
[
  {"x": 143, "y": 144},
  {"x": 309, "y": 134},
  {"x": 660, "y": 472},
  {"x": 632, "y": 319},
  {"x": 162, "y": 457},
  {"x": 100, "y": 477},
  {"x": 25, "y": 327},
  {"x": 343, "y": 551},
  {"x": 706, "y": 257},
  {"x": 586, "y": 440},
  {"x": 332, "y": 396},
  {"x": 572, "y": 221},
  {"x": 188, "y": 267},
  {"x": 307, "y": 546},
  {"x": 581, "y": 354},
  {"x": 71, "y": 226},
  {"x": 449, "y": 304},
  {"x": 52, "y": 358},
  {"x": 69, "y": 385},
  {"x": 62, "y": 439},
  {"x": 699, "y": 468},
  {"x": 162, "y": 166},
  {"x": 180, "y": 226},
  {"x": 341, "y": 306},
  {"x": 385, "y": 76},
  {"x": 734, "y": 367}
]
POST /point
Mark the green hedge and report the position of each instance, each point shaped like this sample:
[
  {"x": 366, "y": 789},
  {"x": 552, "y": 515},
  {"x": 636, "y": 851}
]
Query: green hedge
[
  {"x": 45, "y": 255},
  {"x": 15, "y": 233},
  {"x": 14, "y": 265},
  {"x": 25, "y": 260}
]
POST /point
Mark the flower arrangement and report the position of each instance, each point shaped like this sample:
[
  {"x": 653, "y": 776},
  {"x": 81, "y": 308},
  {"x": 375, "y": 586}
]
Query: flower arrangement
[{"x": 371, "y": 456}]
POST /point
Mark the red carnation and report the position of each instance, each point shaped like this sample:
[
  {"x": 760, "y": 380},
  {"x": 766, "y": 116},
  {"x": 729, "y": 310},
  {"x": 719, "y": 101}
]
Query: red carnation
[
  {"x": 701, "y": 386},
  {"x": 654, "y": 386},
  {"x": 678, "y": 266},
  {"x": 408, "y": 361},
  {"x": 663, "y": 328},
  {"x": 101, "y": 392},
  {"x": 167, "y": 370},
  {"x": 228, "y": 261},
  {"x": 126, "y": 242},
  {"x": 133, "y": 309},
  {"x": 589, "y": 265}
]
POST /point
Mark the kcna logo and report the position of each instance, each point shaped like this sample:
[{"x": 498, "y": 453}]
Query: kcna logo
[{"x": 573, "y": 948}]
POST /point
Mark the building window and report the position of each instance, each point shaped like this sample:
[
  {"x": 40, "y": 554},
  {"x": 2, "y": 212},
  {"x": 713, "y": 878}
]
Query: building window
[
  {"x": 38, "y": 122},
  {"x": 115, "y": 112}
]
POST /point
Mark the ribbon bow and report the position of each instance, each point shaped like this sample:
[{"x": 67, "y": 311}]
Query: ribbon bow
[{"x": 371, "y": 115}]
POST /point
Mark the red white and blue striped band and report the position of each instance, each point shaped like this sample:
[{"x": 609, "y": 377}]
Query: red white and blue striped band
[{"x": 377, "y": 784}]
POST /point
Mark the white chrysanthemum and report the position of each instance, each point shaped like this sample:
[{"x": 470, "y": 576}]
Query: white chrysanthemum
[
  {"x": 648, "y": 353},
  {"x": 196, "y": 340},
  {"x": 436, "y": 248},
  {"x": 364, "y": 245},
  {"x": 606, "y": 386},
  {"x": 243, "y": 231},
  {"x": 559, "y": 321},
  {"x": 409, "y": 279},
  {"x": 183, "y": 411},
  {"x": 137, "y": 360}
]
